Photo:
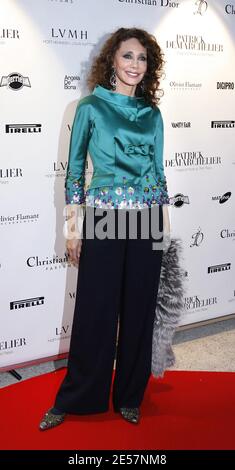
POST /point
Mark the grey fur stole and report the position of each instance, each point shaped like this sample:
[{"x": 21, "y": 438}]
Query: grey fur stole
[{"x": 169, "y": 307}]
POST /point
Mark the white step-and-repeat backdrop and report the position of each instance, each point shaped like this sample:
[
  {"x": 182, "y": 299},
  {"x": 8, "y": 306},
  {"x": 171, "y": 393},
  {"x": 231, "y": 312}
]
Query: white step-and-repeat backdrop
[{"x": 46, "y": 48}]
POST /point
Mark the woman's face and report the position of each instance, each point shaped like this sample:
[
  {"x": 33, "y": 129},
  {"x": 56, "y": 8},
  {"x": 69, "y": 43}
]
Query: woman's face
[{"x": 130, "y": 62}]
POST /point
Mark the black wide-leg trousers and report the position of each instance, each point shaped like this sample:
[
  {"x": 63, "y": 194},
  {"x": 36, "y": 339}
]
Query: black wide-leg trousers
[{"x": 117, "y": 285}]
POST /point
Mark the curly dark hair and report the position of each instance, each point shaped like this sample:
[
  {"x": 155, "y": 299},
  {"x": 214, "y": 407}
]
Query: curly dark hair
[{"x": 101, "y": 68}]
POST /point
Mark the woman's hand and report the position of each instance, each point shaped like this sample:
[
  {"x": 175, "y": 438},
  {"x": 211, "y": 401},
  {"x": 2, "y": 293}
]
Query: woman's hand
[
  {"x": 74, "y": 249},
  {"x": 166, "y": 219},
  {"x": 166, "y": 228}
]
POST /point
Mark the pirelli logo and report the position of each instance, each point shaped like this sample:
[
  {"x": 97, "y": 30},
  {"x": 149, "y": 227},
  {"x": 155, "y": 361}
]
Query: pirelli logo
[
  {"x": 222, "y": 124},
  {"x": 23, "y": 128},
  {"x": 19, "y": 304},
  {"x": 219, "y": 268}
]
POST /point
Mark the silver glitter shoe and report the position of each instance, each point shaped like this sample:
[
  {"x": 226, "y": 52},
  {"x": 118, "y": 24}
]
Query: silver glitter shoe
[
  {"x": 50, "y": 420},
  {"x": 130, "y": 414}
]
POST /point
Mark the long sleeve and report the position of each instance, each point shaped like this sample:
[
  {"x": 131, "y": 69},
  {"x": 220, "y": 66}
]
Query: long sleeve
[
  {"x": 159, "y": 165},
  {"x": 75, "y": 177}
]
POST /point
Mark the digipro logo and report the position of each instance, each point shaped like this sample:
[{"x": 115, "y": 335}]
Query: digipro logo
[
  {"x": 15, "y": 81},
  {"x": 225, "y": 85}
]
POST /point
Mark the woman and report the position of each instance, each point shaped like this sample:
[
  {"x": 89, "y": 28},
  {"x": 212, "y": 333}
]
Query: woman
[{"x": 121, "y": 126}]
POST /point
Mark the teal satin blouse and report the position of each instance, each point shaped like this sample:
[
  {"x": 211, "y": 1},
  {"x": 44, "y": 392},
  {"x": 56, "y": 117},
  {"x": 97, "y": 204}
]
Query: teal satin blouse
[{"x": 124, "y": 137}]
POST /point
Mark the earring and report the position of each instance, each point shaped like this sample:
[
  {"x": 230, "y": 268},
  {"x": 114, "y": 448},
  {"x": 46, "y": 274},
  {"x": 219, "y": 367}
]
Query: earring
[
  {"x": 113, "y": 80},
  {"x": 142, "y": 86}
]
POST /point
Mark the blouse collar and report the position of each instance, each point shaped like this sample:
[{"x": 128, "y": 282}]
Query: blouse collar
[{"x": 118, "y": 98}]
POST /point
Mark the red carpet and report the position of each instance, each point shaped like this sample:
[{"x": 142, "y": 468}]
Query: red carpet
[{"x": 185, "y": 410}]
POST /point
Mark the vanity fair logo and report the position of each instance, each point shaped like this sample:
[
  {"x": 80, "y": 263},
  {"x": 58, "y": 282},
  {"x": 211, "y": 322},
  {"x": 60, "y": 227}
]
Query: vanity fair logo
[
  {"x": 222, "y": 124},
  {"x": 8, "y": 34},
  {"x": 197, "y": 238},
  {"x": 179, "y": 200},
  {"x": 218, "y": 268},
  {"x": 49, "y": 264},
  {"x": 222, "y": 199},
  {"x": 191, "y": 42},
  {"x": 230, "y": 9},
  {"x": 227, "y": 234},
  {"x": 225, "y": 85},
  {"x": 152, "y": 3},
  {"x": 23, "y": 128},
  {"x": 18, "y": 219},
  {"x": 71, "y": 82},
  {"x": 183, "y": 160},
  {"x": 181, "y": 124},
  {"x": 58, "y": 170},
  {"x": 185, "y": 86},
  {"x": 33, "y": 302},
  {"x": 9, "y": 344},
  {"x": 15, "y": 81},
  {"x": 196, "y": 303}
]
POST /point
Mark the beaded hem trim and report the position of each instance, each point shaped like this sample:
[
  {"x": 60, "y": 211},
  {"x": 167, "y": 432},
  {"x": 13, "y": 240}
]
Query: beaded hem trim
[{"x": 120, "y": 197}]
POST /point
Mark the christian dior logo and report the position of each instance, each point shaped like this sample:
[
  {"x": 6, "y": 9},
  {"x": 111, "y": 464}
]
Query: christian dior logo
[
  {"x": 52, "y": 263},
  {"x": 15, "y": 81},
  {"x": 69, "y": 2},
  {"x": 226, "y": 233},
  {"x": 152, "y": 3},
  {"x": 197, "y": 238},
  {"x": 230, "y": 9},
  {"x": 202, "y": 6}
]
